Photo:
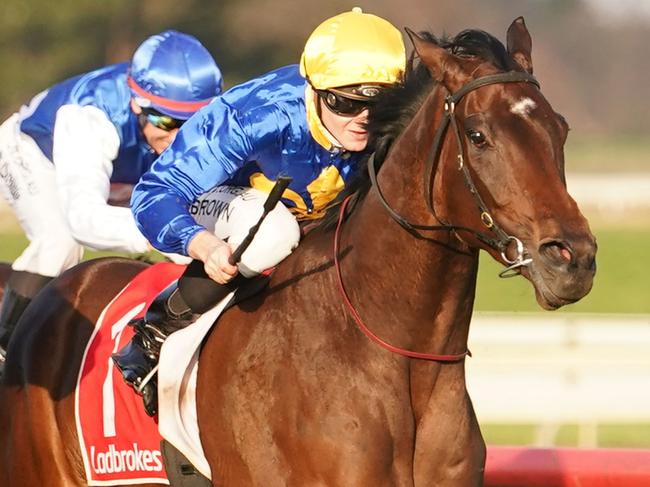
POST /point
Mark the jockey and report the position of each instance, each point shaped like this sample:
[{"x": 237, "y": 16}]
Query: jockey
[
  {"x": 60, "y": 154},
  {"x": 305, "y": 121}
]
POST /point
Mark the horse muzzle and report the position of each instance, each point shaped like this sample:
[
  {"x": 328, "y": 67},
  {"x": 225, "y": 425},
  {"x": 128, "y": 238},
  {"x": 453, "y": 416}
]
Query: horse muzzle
[{"x": 562, "y": 269}]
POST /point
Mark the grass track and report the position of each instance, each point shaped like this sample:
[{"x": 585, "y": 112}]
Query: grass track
[
  {"x": 608, "y": 435},
  {"x": 622, "y": 284}
]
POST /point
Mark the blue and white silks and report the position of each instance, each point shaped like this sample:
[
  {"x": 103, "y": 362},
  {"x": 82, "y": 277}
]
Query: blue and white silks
[{"x": 107, "y": 90}]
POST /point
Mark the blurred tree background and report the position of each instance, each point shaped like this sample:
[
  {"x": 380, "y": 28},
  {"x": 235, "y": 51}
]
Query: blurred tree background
[
  {"x": 589, "y": 59},
  {"x": 589, "y": 56}
]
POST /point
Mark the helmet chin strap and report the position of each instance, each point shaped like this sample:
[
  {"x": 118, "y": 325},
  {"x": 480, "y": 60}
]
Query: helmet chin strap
[
  {"x": 317, "y": 128},
  {"x": 142, "y": 121}
]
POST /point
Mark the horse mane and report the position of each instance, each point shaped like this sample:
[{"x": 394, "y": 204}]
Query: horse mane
[{"x": 396, "y": 106}]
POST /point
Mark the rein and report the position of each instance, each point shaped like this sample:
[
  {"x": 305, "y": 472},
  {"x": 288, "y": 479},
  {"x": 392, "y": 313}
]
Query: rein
[
  {"x": 502, "y": 240},
  {"x": 500, "y": 243},
  {"x": 357, "y": 318}
]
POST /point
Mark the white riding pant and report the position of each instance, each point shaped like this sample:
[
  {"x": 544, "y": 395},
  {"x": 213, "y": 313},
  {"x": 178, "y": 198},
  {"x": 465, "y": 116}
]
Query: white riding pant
[
  {"x": 27, "y": 183},
  {"x": 230, "y": 211}
]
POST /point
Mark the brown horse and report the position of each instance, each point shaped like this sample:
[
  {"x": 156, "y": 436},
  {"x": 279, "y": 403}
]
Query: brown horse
[{"x": 290, "y": 392}]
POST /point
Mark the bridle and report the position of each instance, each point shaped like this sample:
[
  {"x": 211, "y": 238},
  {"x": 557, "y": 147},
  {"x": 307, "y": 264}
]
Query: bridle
[{"x": 501, "y": 240}]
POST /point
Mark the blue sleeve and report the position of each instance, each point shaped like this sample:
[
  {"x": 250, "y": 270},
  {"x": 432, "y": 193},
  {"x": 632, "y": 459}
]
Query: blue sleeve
[
  {"x": 207, "y": 150},
  {"x": 194, "y": 163}
]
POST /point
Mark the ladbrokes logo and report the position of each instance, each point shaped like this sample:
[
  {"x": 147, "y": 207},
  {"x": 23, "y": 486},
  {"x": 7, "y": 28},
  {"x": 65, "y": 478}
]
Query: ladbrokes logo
[{"x": 134, "y": 460}]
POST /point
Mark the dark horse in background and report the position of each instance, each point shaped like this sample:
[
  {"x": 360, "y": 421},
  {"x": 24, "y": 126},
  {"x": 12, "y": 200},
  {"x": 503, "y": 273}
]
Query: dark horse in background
[{"x": 290, "y": 391}]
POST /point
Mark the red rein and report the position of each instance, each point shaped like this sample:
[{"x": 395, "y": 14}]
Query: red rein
[{"x": 391, "y": 348}]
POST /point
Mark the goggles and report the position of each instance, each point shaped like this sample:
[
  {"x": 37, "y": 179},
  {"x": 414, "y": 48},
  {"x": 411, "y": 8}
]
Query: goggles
[
  {"x": 342, "y": 105},
  {"x": 161, "y": 121}
]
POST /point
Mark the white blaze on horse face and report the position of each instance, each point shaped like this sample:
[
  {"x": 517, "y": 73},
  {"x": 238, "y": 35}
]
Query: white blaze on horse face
[{"x": 523, "y": 107}]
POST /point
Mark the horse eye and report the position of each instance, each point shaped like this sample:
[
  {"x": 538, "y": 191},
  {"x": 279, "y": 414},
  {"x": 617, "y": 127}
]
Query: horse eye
[{"x": 477, "y": 138}]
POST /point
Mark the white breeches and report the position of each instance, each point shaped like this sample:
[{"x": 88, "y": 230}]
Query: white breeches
[
  {"x": 230, "y": 211},
  {"x": 27, "y": 183}
]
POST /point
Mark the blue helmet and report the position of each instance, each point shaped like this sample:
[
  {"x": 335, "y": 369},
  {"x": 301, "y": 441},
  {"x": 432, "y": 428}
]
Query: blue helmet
[{"x": 173, "y": 73}]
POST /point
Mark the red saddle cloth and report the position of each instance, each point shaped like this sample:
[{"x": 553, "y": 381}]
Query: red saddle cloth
[{"x": 119, "y": 443}]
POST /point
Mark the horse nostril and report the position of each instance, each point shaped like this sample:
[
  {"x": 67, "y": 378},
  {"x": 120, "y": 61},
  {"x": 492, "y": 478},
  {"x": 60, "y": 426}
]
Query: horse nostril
[
  {"x": 566, "y": 254},
  {"x": 556, "y": 252}
]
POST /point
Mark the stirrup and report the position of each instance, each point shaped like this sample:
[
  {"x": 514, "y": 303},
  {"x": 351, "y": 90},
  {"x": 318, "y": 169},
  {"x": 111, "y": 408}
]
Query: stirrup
[
  {"x": 150, "y": 399},
  {"x": 136, "y": 360},
  {"x": 139, "y": 371},
  {"x": 148, "y": 389},
  {"x": 139, "y": 368}
]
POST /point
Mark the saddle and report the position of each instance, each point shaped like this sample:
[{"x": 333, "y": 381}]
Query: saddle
[{"x": 181, "y": 447}]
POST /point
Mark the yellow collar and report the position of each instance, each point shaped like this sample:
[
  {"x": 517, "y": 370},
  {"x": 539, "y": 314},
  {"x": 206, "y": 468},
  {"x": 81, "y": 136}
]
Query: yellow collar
[{"x": 318, "y": 131}]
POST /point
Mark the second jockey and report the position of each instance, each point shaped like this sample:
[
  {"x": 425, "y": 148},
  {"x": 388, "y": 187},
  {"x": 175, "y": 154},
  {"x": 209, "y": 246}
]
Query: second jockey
[{"x": 60, "y": 154}]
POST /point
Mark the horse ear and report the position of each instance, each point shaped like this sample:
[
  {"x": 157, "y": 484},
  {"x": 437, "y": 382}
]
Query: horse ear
[
  {"x": 441, "y": 64},
  {"x": 520, "y": 44}
]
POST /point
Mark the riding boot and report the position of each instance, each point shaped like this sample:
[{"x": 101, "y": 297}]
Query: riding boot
[
  {"x": 138, "y": 359},
  {"x": 20, "y": 289}
]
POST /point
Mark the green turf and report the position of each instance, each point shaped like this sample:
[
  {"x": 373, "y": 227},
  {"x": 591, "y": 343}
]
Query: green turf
[
  {"x": 608, "y": 435},
  {"x": 567, "y": 435},
  {"x": 621, "y": 285},
  {"x": 12, "y": 245},
  {"x": 506, "y": 434},
  {"x": 624, "y": 436}
]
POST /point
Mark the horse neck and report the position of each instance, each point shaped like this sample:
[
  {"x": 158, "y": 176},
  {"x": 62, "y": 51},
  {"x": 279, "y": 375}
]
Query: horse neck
[{"x": 416, "y": 293}]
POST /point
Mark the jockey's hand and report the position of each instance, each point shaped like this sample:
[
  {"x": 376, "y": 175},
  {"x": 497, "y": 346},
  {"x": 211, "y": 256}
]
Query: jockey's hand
[
  {"x": 214, "y": 254},
  {"x": 217, "y": 265}
]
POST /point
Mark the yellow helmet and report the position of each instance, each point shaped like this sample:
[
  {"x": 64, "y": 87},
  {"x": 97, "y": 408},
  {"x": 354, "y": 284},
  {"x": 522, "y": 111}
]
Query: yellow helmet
[{"x": 353, "y": 48}]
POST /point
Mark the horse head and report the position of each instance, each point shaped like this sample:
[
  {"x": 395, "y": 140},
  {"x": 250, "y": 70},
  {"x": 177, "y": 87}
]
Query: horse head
[{"x": 492, "y": 162}]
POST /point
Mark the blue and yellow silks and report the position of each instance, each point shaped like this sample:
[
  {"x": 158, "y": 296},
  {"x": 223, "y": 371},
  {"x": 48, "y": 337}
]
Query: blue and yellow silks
[{"x": 249, "y": 136}]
